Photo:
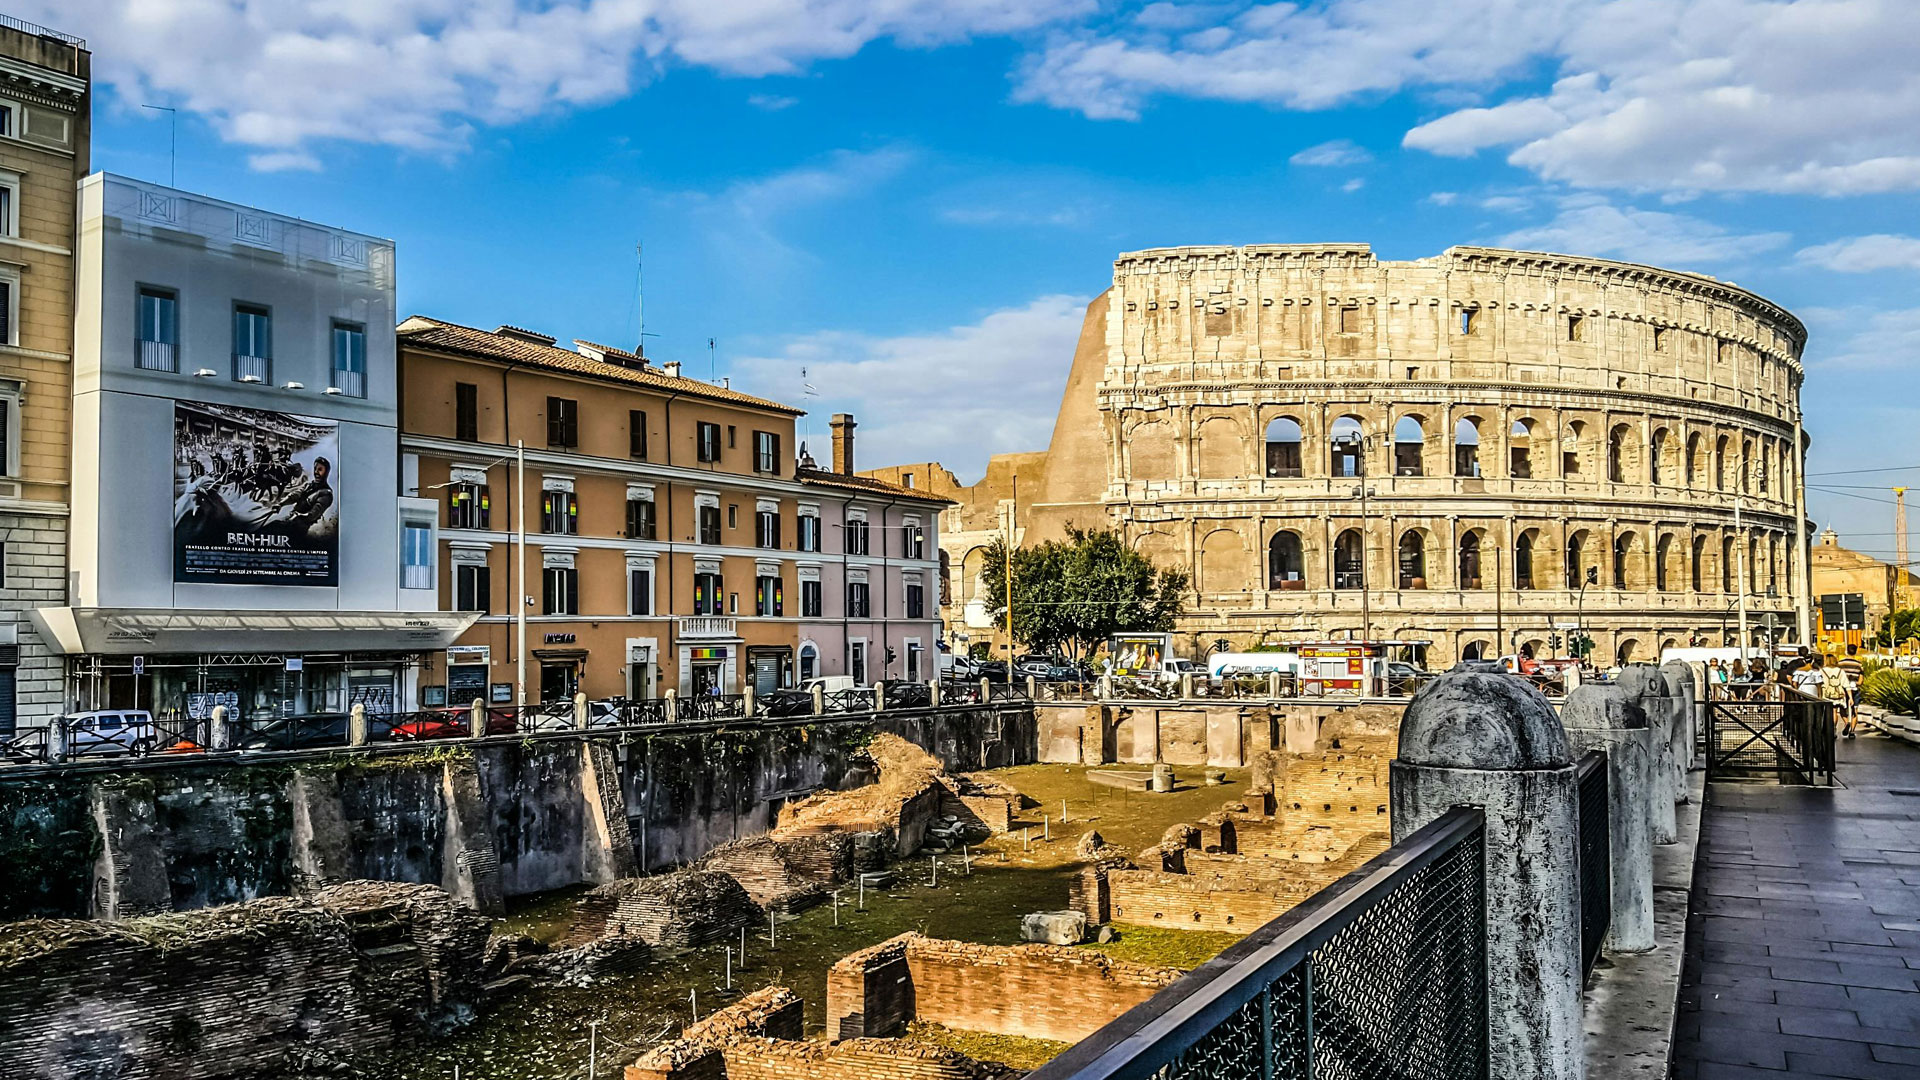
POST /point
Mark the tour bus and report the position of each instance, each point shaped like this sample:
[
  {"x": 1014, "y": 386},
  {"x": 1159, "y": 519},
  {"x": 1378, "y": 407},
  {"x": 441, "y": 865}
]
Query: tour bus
[{"x": 1255, "y": 663}]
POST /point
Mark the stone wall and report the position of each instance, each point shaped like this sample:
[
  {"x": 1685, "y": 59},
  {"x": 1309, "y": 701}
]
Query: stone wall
[
  {"x": 1221, "y": 734},
  {"x": 1032, "y": 991},
  {"x": 485, "y": 819},
  {"x": 348, "y": 972}
]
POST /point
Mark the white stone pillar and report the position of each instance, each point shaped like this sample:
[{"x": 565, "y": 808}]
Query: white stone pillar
[
  {"x": 580, "y": 710},
  {"x": 356, "y": 725},
  {"x": 1600, "y": 717},
  {"x": 477, "y": 719},
  {"x": 1685, "y": 737},
  {"x": 1478, "y": 738},
  {"x": 1645, "y": 686},
  {"x": 220, "y": 732}
]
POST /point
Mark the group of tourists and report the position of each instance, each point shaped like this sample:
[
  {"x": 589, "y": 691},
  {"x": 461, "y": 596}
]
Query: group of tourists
[{"x": 1758, "y": 679}]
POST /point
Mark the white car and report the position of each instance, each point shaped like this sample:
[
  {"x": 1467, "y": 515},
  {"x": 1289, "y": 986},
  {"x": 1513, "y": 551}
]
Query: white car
[{"x": 110, "y": 731}]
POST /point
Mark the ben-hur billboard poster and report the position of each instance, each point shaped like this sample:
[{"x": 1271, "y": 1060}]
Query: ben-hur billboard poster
[{"x": 255, "y": 496}]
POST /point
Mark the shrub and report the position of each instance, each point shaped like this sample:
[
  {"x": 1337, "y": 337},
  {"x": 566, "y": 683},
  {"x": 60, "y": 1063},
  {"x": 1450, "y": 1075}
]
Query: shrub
[{"x": 1891, "y": 689}]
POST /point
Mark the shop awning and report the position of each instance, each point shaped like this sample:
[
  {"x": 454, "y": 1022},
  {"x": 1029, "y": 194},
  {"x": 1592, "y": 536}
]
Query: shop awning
[{"x": 136, "y": 631}]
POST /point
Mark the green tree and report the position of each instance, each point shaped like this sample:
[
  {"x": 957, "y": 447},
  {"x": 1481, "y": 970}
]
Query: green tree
[{"x": 1070, "y": 595}]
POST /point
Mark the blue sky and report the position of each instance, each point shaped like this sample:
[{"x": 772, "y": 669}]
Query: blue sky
[{"x": 915, "y": 198}]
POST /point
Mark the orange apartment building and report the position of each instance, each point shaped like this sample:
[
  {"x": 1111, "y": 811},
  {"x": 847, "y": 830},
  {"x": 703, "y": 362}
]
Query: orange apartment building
[{"x": 672, "y": 540}]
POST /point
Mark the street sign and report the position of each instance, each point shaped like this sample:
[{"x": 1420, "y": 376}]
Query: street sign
[
  {"x": 139, "y": 665},
  {"x": 296, "y": 663},
  {"x": 1566, "y": 624}
]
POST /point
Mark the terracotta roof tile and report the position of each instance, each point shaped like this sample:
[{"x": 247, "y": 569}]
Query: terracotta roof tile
[
  {"x": 828, "y": 478},
  {"x": 428, "y": 333}
]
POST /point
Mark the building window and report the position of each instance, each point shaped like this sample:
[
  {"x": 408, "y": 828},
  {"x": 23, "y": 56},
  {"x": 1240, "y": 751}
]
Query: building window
[
  {"x": 916, "y": 540},
  {"x": 857, "y": 536},
  {"x": 416, "y": 556},
  {"x": 6, "y": 121},
  {"x": 5, "y": 581},
  {"x": 710, "y": 525},
  {"x": 766, "y": 527},
  {"x": 472, "y": 587},
  {"x": 9, "y": 408},
  {"x": 563, "y": 423},
  {"x": 466, "y": 412},
  {"x": 350, "y": 359},
  {"x": 709, "y": 448},
  {"x": 159, "y": 330},
  {"x": 730, "y": 434},
  {"x": 708, "y": 589},
  {"x": 916, "y": 600},
  {"x": 9, "y": 308},
  {"x": 468, "y": 506},
  {"x": 1659, "y": 339},
  {"x": 639, "y": 519},
  {"x": 9, "y": 205},
  {"x": 561, "y": 588},
  {"x": 1576, "y": 328},
  {"x": 769, "y": 595},
  {"x": 857, "y": 662},
  {"x": 766, "y": 452},
  {"x": 810, "y": 599},
  {"x": 639, "y": 590},
  {"x": 636, "y": 433},
  {"x": 915, "y": 654},
  {"x": 559, "y": 512},
  {"x": 809, "y": 538},
  {"x": 856, "y": 600},
  {"x": 1469, "y": 321},
  {"x": 252, "y": 344},
  {"x": 733, "y": 515}
]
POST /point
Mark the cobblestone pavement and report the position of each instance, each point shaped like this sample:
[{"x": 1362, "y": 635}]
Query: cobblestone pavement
[{"x": 1803, "y": 946}]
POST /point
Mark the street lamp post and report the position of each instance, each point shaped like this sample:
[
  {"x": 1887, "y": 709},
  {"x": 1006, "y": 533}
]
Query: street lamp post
[{"x": 1740, "y": 557}]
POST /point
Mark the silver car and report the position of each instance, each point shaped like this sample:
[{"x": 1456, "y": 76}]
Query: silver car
[{"x": 109, "y": 732}]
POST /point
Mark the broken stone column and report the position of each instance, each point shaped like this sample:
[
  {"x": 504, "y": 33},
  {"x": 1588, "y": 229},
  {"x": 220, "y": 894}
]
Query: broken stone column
[
  {"x": 1483, "y": 739},
  {"x": 1680, "y": 684},
  {"x": 1163, "y": 778},
  {"x": 1646, "y": 687},
  {"x": 470, "y": 861},
  {"x": 1601, "y": 717}
]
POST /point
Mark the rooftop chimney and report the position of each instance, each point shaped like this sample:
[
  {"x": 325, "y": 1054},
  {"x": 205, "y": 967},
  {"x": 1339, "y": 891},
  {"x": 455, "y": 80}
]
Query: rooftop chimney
[
  {"x": 843, "y": 443},
  {"x": 672, "y": 368}
]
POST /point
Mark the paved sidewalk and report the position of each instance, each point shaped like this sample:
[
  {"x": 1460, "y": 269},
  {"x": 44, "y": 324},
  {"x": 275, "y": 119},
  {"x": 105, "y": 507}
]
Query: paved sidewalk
[{"x": 1803, "y": 945}]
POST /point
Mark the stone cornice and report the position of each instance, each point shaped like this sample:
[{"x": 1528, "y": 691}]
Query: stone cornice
[{"x": 42, "y": 86}]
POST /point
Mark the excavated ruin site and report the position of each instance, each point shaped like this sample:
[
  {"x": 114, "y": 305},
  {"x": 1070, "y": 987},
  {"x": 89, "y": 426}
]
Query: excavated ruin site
[{"x": 915, "y": 924}]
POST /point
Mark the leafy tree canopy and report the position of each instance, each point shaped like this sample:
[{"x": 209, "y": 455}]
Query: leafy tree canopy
[{"x": 1070, "y": 595}]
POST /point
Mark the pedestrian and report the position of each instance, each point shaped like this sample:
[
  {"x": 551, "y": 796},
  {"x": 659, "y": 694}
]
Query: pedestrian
[
  {"x": 1811, "y": 679},
  {"x": 1716, "y": 673},
  {"x": 1839, "y": 689}
]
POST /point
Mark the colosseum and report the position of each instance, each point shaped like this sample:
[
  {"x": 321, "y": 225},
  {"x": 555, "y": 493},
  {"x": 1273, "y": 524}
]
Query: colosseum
[{"x": 1479, "y": 450}]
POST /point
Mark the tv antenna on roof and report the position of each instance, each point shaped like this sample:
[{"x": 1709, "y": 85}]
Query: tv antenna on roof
[{"x": 173, "y": 136}]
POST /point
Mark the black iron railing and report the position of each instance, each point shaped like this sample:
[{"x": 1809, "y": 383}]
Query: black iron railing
[
  {"x": 1595, "y": 858},
  {"x": 1379, "y": 976},
  {"x": 1777, "y": 733}
]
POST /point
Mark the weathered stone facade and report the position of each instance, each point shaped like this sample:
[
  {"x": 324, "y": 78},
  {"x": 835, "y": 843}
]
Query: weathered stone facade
[{"x": 1518, "y": 419}]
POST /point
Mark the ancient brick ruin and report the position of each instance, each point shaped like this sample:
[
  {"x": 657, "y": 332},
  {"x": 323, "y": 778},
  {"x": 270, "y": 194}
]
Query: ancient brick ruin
[
  {"x": 911, "y": 797},
  {"x": 268, "y": 987},
  {"x": 1033, "y": 991}
]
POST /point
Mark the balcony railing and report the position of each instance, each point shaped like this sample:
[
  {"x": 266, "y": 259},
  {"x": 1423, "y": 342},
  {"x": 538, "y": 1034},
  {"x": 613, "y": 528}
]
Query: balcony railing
[
  {"x": 252, "y": 369},
  {"x": 707, "y": 626},
  {"x": 157, "y": 356},
  {"x": 350, "y": 383}
]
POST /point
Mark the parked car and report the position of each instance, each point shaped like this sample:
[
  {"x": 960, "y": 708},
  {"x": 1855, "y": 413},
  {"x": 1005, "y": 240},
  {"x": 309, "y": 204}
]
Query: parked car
[
  {"x": 110, "y": 731},
  {"x": 791, "y": 701},
  {"x": 992, "y": 670},
  {"x": 907, "y": 695},
  {"x": 451, "y": 723},
  {"x": 304, "y": 732}
]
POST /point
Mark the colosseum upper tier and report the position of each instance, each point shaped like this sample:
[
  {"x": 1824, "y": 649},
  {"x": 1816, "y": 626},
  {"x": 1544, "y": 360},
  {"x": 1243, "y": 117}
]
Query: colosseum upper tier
[{"x": 1476, "y": 449}]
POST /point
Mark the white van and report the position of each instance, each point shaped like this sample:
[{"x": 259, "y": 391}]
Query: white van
[{"x": 1257, "y": 663}]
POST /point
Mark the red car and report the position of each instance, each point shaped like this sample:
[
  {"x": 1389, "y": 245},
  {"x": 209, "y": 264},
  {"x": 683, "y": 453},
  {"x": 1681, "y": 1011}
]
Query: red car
[{"x": 452, "y": 724}]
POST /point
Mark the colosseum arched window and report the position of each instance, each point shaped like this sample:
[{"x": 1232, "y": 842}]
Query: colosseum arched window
[
  {"x": 1570, "y": 450},
  {"x": 1727, "y": 561},
  {"x": 1577, "y": 564},
  {"x": 1349, "y": 560},
  {"x": 1656, "y": 457},
  {"x": 1466, "y": 447},
  {"x": 1623, "y": 455},
  {"x": 1346, "y": 448},
  {"x": 1746, "y": 466},
  {"x": 1223, "y": 562},
  {"x": 1766, "y": 465},
  {"x": 1283, "y": 447},
  {"x": 1698, "y": 570},
  {"x": 1720, "y": 446},
  {"x": 1523, "y": 559},
  {"x": 1692, "y": 475},
  {"x": 1413, "y": 559},
  {"x": 1519, "y": 450},
  {"x": 1150, "y": 452},
  {"x": 1469, "y": 559},
  {"x": 1753, "y": 564},
  {"x": 1222, "y": 450},
  {"x": 1663, "y": 555},
  {"x": 1626, "y": 652},
  {"x": 1286, "y": 561},
  {"x": 1409, "y": 447},
  {"x": 1159, "y": 548},
  {"x": 1623, "y": 551}
]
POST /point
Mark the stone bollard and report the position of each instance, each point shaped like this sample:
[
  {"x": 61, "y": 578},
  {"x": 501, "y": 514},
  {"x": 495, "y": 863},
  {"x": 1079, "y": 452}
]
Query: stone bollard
[
  {"x": 671, "y": 710},
  {"x": 819, "y": 699},
  {"x": 57, "y": 740},
  {"x": 1106, "y": 688},
  {"x": 747, "y": 702},
  {"x": 357, "y": 725},
  {"x": 1273, "y": 684},
  {"x": 477, "y": 719},
  {"x": 1033, "y": 689},
  {"x": 580, "y": 710},
  {"x": 1601, "y": 717},
  {"x": 1478, "y": 738},
  {"x": 1644, "y": 685},
  {"x": 1162, "y": 778},
  {"x": 880, "y": 696},
  {"x": 933, "y": 693},
  {"x": 1186, "y": 686},
  {"x": 219, "y": 730},
  {"x": 1686, "y": 735},
  {"x": 986, "y": 690}
]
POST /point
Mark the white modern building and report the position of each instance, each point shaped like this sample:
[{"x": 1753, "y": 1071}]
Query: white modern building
[{"x": 237, "y": 537}]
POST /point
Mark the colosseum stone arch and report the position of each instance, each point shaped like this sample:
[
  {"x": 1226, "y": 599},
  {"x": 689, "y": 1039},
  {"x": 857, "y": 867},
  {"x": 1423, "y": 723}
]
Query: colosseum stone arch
[{"x": 1528, "y": 406}]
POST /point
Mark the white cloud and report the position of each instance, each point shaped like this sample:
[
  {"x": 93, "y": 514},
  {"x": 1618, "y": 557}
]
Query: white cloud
[
  {"x": 1861, "y": 339},
  {"x": 1330, "y": 154},
  {"x": 1443, "y": 198},
  {"x": 999, "y": 216},
  {"x": 1863, "y": 254},
  {"x": 279, "y": 75},
  {"x": 746, "y": 214},
  {"x": 1353, "y": 185},
  {"x": 772, "y": 102},
  {"x": 956, "y": 395},
  {"x": 1585, "y": 226}
]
